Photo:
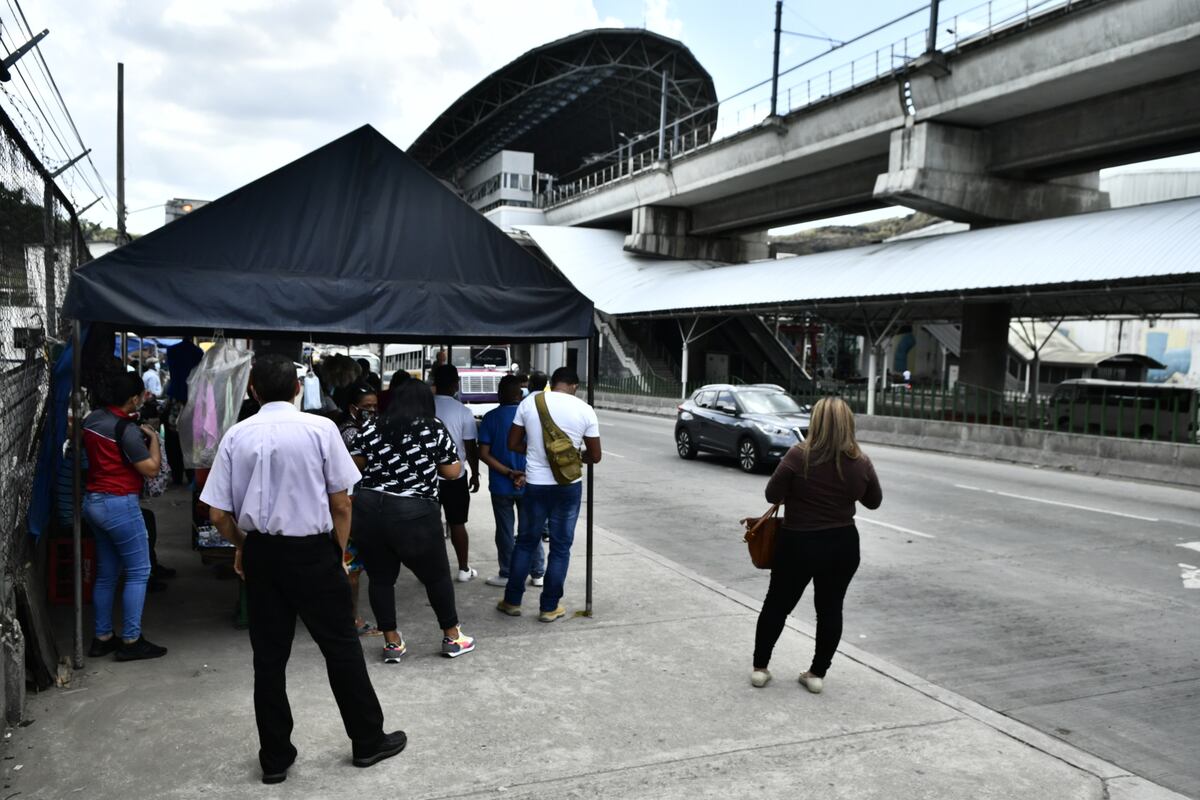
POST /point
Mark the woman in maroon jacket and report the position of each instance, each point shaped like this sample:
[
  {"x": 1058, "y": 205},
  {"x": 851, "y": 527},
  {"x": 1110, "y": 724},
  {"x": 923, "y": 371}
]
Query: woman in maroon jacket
[{"x": 818, "y": 483}]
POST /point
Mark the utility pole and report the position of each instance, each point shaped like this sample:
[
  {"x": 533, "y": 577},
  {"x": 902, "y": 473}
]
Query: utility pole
[
  {"x": 122, "y": 238},
  {"x": 931, "y": 36},
  {"x": 775, "y": 68},
  {"x": 662, "y": 119}
]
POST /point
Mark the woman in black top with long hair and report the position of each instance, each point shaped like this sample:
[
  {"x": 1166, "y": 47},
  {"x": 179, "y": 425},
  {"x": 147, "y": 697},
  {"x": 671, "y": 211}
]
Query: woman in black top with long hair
[{"x": 397, "y": 518}]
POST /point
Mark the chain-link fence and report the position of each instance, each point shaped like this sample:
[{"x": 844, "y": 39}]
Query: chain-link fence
[{"x": 40, "y": 244}]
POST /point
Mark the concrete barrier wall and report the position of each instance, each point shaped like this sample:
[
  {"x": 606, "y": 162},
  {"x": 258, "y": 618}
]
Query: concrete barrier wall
[
  {"x": 1161, "y": 462},
  {"x": 1097, "y": 455}
]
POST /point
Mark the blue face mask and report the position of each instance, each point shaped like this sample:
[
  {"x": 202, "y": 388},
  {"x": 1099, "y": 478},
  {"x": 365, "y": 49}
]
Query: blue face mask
[{"x": 524, "y": 392}]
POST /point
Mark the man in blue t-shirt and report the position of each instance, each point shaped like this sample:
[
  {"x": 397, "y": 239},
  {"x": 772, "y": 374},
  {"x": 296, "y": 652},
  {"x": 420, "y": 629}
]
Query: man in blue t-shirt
[{"x": 506, "y": 480}]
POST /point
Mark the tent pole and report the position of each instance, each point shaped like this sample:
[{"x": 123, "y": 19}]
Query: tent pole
[
  {"x": 593, "y": 357},
  {"x": 77, "y": 489}
]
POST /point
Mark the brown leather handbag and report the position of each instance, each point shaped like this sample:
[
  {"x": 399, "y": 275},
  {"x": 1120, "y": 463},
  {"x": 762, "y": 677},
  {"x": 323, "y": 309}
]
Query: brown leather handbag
[{"x": 760, "y": 537}]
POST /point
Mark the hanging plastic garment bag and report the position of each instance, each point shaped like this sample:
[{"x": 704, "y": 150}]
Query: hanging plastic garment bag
[{"x": 216, "y": 389}]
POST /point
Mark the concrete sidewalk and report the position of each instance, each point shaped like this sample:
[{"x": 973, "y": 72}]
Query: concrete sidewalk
[{"x": 650, "y": 698}]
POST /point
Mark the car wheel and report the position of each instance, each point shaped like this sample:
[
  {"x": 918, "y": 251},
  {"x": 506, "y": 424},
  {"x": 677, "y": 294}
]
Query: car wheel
[
  {"x": 684, "y": 443},
  {"x": 747, "y": 455}
]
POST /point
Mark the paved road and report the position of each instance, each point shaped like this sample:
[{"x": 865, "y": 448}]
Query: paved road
[{"x": 1052, "y": 597}]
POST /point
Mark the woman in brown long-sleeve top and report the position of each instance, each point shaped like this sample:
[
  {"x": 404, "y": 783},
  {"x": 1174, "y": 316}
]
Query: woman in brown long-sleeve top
[{"x": 818, "y": 483}]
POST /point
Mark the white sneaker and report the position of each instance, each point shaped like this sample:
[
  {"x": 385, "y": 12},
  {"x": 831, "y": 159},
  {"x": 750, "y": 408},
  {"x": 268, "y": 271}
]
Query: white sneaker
[
  {"x": 495, "y": 580},
  {"x": 811, "y": 682},
  {"x": 467, "y": 575},
  {"x": 760, "y": 678},
  {"x": 538, "y": 581}
]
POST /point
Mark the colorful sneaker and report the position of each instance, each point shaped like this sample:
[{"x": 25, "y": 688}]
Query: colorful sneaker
[
  {"x": 467, "y": 574},
  {"x": 537, "y": 580},
  {"x": 392, "y": 651},
  {"x": 453, "y": 648},
  {"x": 508, "y": 608},
  {"x": 760, "y": 678},
  {"x": 550, "y": 616}
]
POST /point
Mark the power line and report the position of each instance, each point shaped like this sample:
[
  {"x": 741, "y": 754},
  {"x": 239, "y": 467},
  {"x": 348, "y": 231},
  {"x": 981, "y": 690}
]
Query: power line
[
  {"x": 62, "y": 103},
  {"x": 52, "y": 85}
]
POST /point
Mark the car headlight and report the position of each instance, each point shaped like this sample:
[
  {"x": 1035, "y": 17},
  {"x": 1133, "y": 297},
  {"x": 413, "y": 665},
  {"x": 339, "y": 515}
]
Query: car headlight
[{"x": 769, "y": 429}]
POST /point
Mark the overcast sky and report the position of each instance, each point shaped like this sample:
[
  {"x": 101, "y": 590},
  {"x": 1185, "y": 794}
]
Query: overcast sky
[{"x": 219, "y": 92}]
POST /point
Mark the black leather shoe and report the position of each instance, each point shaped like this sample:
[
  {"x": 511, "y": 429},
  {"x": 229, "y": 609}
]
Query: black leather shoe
[
  {"x": 102, "y": 647},
  {"x": 391, "y": 744},
  {"x": 281, "y": 775}
]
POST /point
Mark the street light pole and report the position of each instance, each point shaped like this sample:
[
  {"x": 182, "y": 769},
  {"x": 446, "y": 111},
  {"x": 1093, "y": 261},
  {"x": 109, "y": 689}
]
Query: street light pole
[{"x": 775, "y": 68}]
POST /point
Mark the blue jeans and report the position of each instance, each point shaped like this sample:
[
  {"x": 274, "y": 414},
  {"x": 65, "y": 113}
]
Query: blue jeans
[
  {"x": 122, "y": 544},
  {"x": 504, "y": 507},
  {"x": 558, "y": 505}
]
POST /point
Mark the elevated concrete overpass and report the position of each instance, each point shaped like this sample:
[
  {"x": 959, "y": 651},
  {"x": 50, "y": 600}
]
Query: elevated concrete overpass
[{"x": 1006, "y": 127}]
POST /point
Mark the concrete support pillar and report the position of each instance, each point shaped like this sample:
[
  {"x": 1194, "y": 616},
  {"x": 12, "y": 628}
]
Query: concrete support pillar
[
  {"x": 663, "y": 231},
  {"x": 944, "y": 170},
  {"x": 984, "y": 350},
  {"x": 683, "y": 369}
]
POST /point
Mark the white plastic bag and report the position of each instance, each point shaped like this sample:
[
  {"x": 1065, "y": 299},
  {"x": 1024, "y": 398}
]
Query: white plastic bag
[{"x": 216, "y": 389}]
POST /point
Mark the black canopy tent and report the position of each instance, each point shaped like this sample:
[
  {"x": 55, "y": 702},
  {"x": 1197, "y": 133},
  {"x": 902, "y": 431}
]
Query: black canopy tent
[{"x": 353, "y": 242}]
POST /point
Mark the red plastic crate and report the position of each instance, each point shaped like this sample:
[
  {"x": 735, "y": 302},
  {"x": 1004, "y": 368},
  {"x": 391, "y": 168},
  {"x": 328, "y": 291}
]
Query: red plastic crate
[{"x": 61, "y": 582}]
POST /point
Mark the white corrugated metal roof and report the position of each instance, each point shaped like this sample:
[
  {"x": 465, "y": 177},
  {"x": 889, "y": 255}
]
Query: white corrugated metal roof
[{"x": 1140, "y": 242}]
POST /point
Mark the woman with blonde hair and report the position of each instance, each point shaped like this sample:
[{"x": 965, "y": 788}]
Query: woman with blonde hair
[{"x": 818, "y": 482}]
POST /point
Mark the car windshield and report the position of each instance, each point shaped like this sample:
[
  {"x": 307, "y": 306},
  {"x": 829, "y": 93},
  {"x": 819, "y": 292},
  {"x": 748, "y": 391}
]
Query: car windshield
[{"x": 768, "y": 403}]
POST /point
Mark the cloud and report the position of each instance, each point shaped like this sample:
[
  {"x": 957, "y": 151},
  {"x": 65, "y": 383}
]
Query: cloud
[
  {"x": 219, "y": 92},
  {"x": 659, "y": 20}
]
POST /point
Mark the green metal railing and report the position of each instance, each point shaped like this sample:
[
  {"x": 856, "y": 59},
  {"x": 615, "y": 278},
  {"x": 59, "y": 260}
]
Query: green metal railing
[{"x": 1153, "y": 418}]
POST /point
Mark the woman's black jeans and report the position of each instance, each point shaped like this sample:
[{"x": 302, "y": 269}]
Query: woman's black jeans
[
  {"x": 829, "y": 559},
  {"x": 391, "y": 531}
]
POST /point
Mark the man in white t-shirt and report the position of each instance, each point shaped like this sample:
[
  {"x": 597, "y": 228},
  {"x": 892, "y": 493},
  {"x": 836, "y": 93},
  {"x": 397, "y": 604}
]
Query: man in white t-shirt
[
  {"x": 455, "y": 494},
  {"x": 545, "y": 500}
]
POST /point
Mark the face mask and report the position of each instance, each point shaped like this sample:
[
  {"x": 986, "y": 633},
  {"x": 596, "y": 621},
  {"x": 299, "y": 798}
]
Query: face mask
[{"x": 367, "y": 415}]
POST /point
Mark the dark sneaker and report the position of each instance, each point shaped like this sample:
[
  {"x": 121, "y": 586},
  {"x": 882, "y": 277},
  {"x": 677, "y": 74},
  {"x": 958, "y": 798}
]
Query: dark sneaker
[
  {"x": 142, "y": 648},
  {"x": 391, "y": 744},
  {"x": 102, "y": 647}
]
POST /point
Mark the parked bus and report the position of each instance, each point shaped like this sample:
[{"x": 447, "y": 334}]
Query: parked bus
[
  {"x": 480, "y": 368},
  {"x": 1163, "y": 412},
  {"x": 408, "y": 358}
]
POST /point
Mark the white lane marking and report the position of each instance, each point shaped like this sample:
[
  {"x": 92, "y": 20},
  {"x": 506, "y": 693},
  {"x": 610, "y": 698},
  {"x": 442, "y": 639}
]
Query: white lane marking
[
  {"x": 1190, "y": 576},
  {"x": 909, "y": 531},
  {"x": 608, "y": 452},
  {"x": 1191, "y": 545},
  {"x": 1055, "y": 503}
]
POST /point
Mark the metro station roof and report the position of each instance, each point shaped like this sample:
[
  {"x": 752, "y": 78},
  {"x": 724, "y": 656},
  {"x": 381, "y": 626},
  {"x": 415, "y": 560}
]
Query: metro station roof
[
  {"x": 568, "y": 101},
  {"x": 1143, "y": 260}
]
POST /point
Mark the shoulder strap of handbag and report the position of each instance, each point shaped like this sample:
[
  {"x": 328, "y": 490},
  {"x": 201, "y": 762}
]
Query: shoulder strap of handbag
[
  {"x": 550, "y": 431},
  {"x": 762, "y": 520},
  {"x": 123, "y": 424}
]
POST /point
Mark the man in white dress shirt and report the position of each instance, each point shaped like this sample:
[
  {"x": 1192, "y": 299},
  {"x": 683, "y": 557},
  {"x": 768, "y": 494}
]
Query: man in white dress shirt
[{"x": 278, "y": 492}]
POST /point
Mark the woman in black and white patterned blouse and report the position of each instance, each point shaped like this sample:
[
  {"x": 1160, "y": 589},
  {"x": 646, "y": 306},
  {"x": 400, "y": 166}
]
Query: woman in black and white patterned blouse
[{"x": 397, "y": 519}]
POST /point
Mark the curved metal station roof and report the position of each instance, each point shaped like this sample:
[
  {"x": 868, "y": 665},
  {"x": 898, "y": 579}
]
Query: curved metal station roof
[
  {"x": 1142, "y": 260},
  {"x": 568, "y": 102}
]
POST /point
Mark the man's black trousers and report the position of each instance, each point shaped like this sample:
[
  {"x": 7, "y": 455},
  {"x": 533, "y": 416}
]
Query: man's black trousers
[{"x": 290, "y": 576}]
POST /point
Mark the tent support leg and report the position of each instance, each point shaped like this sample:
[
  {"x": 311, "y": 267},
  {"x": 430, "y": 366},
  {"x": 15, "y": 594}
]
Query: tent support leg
[
  {"x": 593, "y": 357},
  {"x": 77, "y": 489}
]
